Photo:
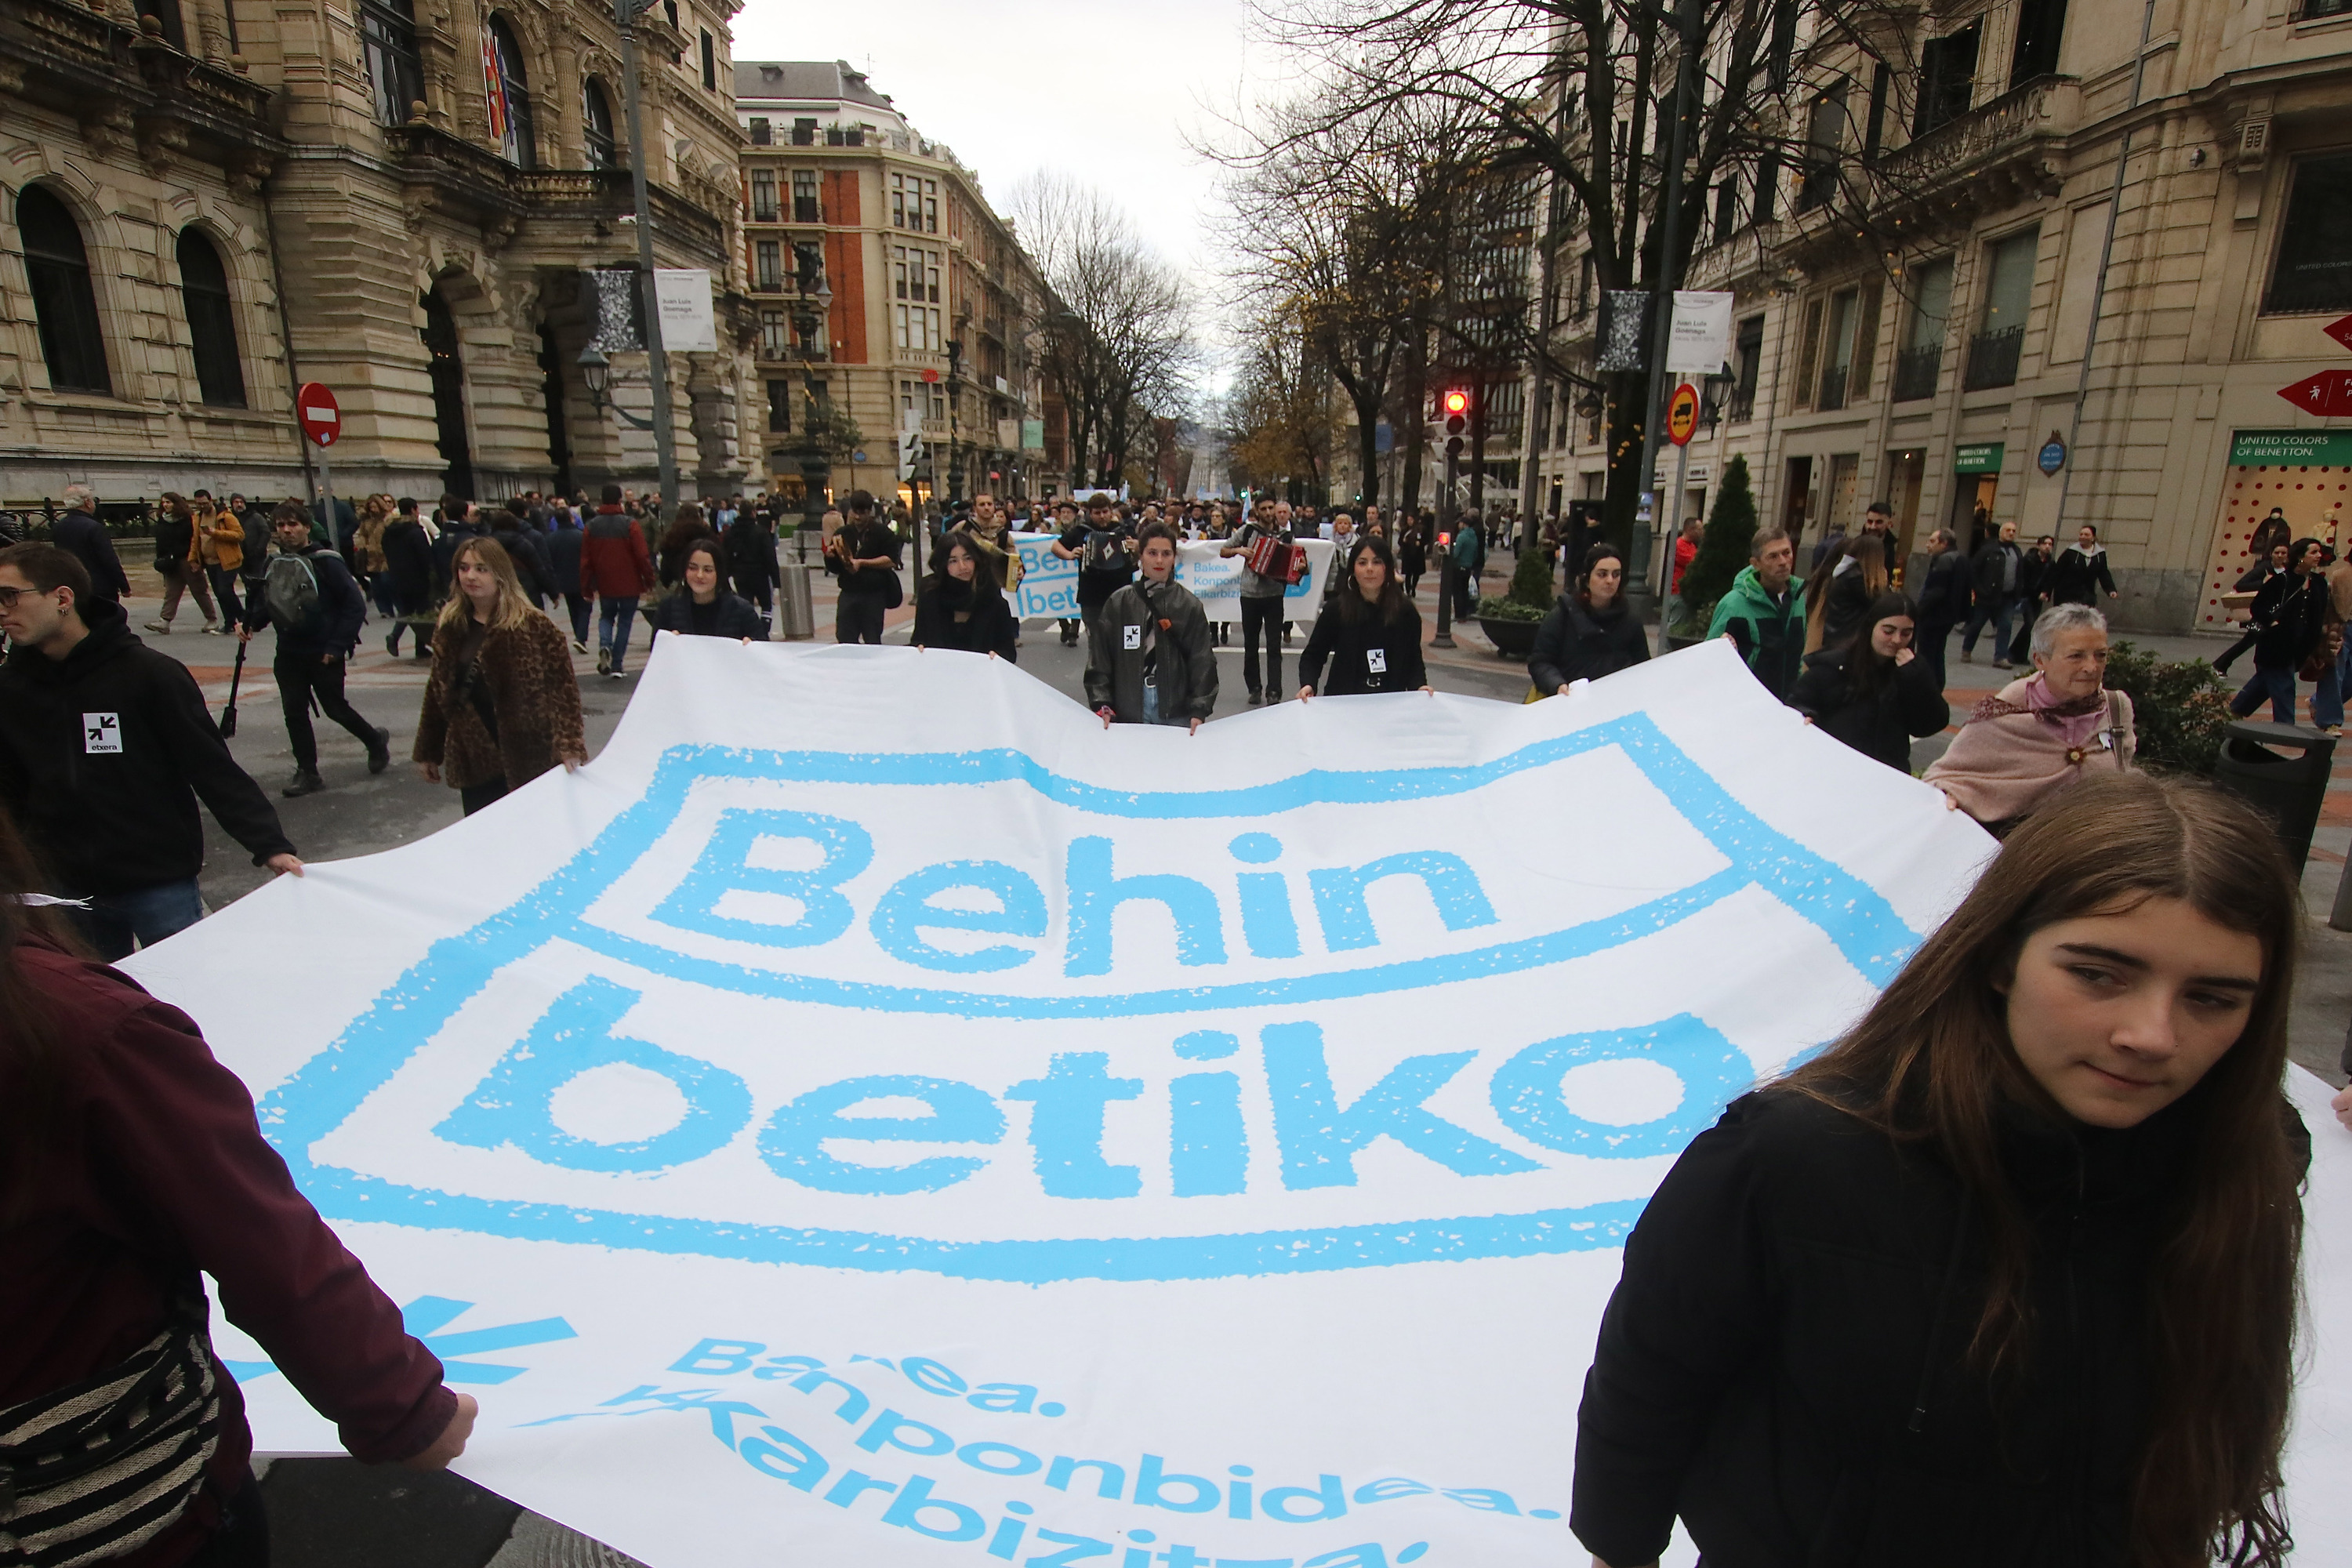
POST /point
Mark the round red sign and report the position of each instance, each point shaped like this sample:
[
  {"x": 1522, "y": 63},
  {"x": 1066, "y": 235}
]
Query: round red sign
[
  {"x": 322, "y": 417},
  {"x": 930, "y": 375},
  {"x": 1681, "y": 415}
]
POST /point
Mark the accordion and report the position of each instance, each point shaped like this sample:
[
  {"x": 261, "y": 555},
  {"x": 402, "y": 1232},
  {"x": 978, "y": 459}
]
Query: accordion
[{"x": 1270, "y": 557}]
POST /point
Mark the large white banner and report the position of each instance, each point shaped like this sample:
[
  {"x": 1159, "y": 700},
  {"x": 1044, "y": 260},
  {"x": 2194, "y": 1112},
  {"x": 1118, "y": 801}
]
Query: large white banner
[
  {"x": 1049, "y": 585},
  {"x": 874, "y": 1114}
]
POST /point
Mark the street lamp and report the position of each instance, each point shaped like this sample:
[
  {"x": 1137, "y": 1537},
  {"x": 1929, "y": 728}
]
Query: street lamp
[{"x": 596, "y": 372}]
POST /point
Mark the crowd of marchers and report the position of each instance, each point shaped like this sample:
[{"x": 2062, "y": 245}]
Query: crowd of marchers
[{"x": 2005, "y": 1275}]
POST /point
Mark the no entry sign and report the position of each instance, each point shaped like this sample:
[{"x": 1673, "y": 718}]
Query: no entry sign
[
  {"x": 1681, "y": 415},
  {"x": 322, "y": 417}
]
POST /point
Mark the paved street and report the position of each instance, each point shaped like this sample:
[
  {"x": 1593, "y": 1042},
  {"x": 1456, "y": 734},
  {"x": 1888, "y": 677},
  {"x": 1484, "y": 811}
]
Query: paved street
[{"x": 334, "y": 1513}]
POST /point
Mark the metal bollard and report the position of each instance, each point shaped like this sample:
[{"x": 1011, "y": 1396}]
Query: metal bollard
[
  {"x": 2341, "y": 917},
  {"x": 795, "y": 614}
]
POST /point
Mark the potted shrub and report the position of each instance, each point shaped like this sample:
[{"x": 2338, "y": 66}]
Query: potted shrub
[{"x": 1509, "y": 622}]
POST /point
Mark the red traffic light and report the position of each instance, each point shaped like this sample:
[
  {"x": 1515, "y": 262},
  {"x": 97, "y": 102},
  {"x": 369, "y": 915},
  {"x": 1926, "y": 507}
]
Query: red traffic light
[{"x": 1457, "y": 402}]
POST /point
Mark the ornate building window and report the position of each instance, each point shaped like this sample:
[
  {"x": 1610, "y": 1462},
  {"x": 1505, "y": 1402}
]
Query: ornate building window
[
  {"x": 388, "y": 43},
  {"x": 57, "y": 268},
  {"x": 212, "y": 320},
  {"x": 597, "y": 124},
  {"x": 507, "y": 91}
]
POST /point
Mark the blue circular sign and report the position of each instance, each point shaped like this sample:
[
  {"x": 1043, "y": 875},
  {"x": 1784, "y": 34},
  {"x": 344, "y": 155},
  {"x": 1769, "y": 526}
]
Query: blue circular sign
[{"x": 2053, "y": 456}]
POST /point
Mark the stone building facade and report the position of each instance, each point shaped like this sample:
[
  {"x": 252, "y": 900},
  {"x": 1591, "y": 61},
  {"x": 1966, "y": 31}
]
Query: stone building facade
[
  {"x": 1934, "y": 369},
  {"x": 400, "y": 199},
  {"x": 882, "y": 286}
]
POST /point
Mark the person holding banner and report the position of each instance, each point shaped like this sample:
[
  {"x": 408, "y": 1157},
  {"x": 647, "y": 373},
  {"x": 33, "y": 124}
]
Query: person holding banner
[
  {"x": 2007, "y": 1275},
  {"x": 130, "y": 1161},
  {"x": 1589, "y": 632},
  {"x": 1149, "y": 661},
  {"x": 1368, "y": 632},
  {"x": 958, "y": 605},
  {"x": 702, "y": 607}
]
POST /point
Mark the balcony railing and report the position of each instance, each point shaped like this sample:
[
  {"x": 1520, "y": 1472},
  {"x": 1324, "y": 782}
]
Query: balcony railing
[
  {"x": 1743, "y": 405},
  {"x": 1832, "y": 397},
  {"x": 2048, "y": 106},
  {"x": 1992, "y": 359},
  {"x": 1915, "y": 371}
]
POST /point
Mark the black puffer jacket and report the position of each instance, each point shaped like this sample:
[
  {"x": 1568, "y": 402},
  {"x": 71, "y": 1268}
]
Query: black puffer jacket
[
  {"x": 1353, "y": 647},
  {"x": 1880, "y": 725},
  {"x": 1577, "y": 642},
  {"x": 950, "y": 614},
  {"x": 1799, "y": 1286},
  {"x": 725, "y": 617}
]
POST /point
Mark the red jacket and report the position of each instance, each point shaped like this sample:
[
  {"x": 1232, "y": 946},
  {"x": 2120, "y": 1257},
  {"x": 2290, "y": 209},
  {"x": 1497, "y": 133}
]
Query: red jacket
[
  {"x": 160, "y": 1169},
  {"x": 613, "y": 561}
]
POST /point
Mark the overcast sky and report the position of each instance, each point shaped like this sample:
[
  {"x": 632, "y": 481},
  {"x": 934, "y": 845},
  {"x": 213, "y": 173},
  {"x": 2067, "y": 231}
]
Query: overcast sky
[{"x": 1104, "y": 89}]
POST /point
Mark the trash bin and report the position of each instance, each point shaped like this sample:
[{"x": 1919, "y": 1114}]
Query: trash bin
[
  {"x": 797, "y": 617},
  {"x": 2290, "y": 789}
]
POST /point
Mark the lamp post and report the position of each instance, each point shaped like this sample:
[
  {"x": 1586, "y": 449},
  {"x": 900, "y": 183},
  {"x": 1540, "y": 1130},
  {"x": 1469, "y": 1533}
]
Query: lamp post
[
  {"x": 1687, "y": 20},
  {"x": 625, "y": 17},
  {"x": 815, "y": 465}
]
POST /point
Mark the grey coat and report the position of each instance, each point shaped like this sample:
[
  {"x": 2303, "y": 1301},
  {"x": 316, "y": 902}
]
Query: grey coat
[{"x": 1186, "y": 666}]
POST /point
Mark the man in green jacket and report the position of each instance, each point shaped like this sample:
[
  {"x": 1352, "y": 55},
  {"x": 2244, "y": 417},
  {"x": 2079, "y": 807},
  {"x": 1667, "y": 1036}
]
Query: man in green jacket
[
  {"x": 1469, "y": 561},
  {"x": 1764, "y": 613}
]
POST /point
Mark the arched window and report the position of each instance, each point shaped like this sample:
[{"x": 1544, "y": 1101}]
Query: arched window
[
  {"x": 596, "y": 119},
  {"x": 59, "y": 270},
  {"x": 388, "y": 41},
  {"x": 509, "y": 95},
  {"x": 212, "y": 324}
]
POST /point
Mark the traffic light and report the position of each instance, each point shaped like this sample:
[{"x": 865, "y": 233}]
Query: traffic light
[
  {"x": 1456, "y": 404},
  {"x": 910, "y": 452}
]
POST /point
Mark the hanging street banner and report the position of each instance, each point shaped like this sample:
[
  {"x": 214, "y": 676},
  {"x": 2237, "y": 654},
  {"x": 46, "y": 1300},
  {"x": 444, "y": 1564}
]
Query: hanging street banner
[
  {"x": 1049, "y": 585},
  {"x": 686, "y": 322},
  {"x": 874, "y": 1114},
  {"x": 1698, "y": 339}
]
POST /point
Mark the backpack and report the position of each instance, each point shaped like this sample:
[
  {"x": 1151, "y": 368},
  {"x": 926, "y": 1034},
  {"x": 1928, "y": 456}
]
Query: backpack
[
  {"x": 290, "y": 590},
  {"x": 1106, "y": 550}
]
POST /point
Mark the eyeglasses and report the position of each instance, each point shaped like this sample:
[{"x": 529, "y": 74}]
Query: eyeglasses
[{"x": 9, "y": 597}]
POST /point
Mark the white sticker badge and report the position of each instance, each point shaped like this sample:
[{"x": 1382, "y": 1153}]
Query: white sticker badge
[
  {"x": 101, "y": 733},
  {"x": 1134, "y": 637},
  {"x": 1375, "y": 659}
]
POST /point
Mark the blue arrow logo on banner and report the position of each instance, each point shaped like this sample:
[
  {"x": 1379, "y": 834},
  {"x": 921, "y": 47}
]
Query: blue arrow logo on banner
[{"x": 427, "y": 1314}]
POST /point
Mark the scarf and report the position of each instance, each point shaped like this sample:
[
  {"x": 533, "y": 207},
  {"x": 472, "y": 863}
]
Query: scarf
[{"x": 2077, "y": 720}]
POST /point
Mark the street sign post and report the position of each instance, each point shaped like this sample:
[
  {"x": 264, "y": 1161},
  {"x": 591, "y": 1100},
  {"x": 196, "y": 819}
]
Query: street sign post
[
  {"x": 2327, "y": 395},
  {"x": 1682, "y": 424},
  {"x": 322, "y": 418}
]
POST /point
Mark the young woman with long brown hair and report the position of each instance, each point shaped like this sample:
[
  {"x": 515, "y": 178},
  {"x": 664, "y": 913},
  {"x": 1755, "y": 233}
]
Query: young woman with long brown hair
[
  {"x": 502, "y": 704},
  {"x": 2008, "y": 1275}
]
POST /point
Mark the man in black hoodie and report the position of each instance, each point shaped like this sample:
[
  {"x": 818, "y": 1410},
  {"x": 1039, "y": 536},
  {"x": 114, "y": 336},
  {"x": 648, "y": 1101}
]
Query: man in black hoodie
[
  {"x": 310, "y": 595},
  {"x": 105, "y": 748}
]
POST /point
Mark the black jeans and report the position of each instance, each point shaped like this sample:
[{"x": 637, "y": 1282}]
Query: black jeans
[
  {"x": 1261, "y": 615},
  {"x": 300, "y": 675},
  {"x": 857, "y": 617},
  {"x": 243, "y": 1539},
  {"x": 578, "y": 605},
  {"x": 471, "y": 798}
]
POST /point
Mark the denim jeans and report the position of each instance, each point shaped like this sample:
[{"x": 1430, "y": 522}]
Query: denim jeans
[
  {"x": 2327, "y": 698},
  {"x": 2002, "y": 618},
  {"x": 2278, "y": 684},
  {"x": 116, "y": 924},
  {"x": 613, "y": 618}
]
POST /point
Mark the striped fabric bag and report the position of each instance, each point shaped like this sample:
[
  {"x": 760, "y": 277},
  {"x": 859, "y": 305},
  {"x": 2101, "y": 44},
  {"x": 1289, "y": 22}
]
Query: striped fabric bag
[{"x": 92, "y": 1471}]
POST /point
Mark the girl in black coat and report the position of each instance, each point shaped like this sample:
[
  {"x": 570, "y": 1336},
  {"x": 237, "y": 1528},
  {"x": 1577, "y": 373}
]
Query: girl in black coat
[
  {"x": 959, "y": 605},
  {"x": 1368, "y": 633},
  {"x": 1589, "y": 633},
  {"x": 2007, "y": 1276},
  {"x": 1875, "y": 693},
  {"x": 702, "y": 607}
]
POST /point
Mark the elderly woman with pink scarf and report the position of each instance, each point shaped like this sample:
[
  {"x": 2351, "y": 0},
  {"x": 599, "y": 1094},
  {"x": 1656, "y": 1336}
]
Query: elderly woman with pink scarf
[{"x": 2036, "y": 737}]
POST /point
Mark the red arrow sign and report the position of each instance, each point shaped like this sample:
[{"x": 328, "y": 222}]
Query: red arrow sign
[
  {"x": 2341, "y": 330},
  {"x": 320, "y": 416},
  {"x": 2327, "y": 395}
]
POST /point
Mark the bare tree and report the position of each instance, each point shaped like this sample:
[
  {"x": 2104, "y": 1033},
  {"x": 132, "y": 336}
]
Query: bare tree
[
  {"x": 1118, "y": 340},
  {"x": 1281, "y": 408}
]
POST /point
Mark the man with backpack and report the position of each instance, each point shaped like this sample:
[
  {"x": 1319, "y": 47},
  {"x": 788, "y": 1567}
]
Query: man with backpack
[
  {"x": 308, "y": 595},
  {"x": 1104, "y": 548}
]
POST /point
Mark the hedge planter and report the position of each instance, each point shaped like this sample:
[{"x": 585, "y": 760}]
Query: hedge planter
[{"x": 1512, "y": 639}]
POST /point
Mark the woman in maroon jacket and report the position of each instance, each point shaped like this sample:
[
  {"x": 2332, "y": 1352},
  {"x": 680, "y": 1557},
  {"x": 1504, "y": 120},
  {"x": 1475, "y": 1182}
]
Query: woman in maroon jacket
[{"x": 129, "y": 1163}]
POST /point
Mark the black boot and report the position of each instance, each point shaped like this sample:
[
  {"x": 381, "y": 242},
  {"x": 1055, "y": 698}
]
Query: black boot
[
  {"x": 379, "y": 754},
  {"x": 306, "y": 781}
]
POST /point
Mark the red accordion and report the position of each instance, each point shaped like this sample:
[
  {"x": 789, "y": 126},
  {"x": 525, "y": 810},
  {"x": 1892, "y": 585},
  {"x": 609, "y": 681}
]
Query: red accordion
[{"x": 1270, "y": 557}]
